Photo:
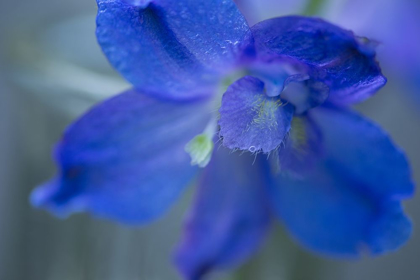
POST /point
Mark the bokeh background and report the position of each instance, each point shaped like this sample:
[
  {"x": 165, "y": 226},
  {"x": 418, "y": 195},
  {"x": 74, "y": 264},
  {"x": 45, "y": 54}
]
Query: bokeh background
[{"x": 51, "y": 70}]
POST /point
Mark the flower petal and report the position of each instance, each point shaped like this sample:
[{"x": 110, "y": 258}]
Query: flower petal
[
  {"x": 124, "y": 159},
  {"x": 177, "y": 49},
  {"x": 229, "y": 218},
  {"x": 303, "y": 147},
  {"x": 349, "y": 202},
  {"x": 327, "y": 213},
  {"x": 251, "y": 120},
  {"x": 335, "y": 56},
  {"x": 364, "y": 151}
]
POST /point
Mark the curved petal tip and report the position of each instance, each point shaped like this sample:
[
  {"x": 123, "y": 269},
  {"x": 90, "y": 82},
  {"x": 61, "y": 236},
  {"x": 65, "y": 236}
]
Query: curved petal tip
[
  {"x": 40, "y": 196},
  {"x": 49, "y": 197}
]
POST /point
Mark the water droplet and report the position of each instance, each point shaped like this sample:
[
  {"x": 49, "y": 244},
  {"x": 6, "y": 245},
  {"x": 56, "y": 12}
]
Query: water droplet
[{"x": 252, "y": 149}]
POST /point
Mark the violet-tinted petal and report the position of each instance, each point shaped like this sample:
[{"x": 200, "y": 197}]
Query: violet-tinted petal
[
  {"x": 177, "y": 49},
  {"x": 353, "y": 79},
  {"x": 349, "y": 203},
  {"x": 251, "y": 120},
  {"x": 229, "y": 218},
  {"x": 335, "y": 56},
  {"x": 124, "y": 159}
]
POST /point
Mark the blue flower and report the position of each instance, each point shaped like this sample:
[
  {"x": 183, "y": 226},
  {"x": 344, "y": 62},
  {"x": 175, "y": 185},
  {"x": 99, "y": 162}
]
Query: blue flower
[{"x": 332, "y": 177}]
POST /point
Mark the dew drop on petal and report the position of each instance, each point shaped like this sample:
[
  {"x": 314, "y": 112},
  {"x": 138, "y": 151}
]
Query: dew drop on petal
[{"x": 252, "y": 149}]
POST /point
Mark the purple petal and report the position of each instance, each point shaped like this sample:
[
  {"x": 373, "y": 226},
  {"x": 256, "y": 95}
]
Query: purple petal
[
  {"x": 124, "y": 159},
  {"x": 251, "y": 120},
  {"x": 229, "y": 218},
  {"x": 335, "y": 56}
]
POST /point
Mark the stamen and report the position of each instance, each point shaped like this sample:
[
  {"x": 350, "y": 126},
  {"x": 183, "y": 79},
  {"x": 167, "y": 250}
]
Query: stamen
[
  {"x": 200, "y": 148},
  {"x": 266, "y": 112},
  {"x": 299, "y": 137}
]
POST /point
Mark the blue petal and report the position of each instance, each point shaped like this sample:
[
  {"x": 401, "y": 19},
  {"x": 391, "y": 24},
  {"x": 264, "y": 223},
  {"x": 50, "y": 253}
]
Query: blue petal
[
  {"x": 229, "y": 218},
  {"x": 251, "y": 120},
  {"x": 390, "y": 230},
  {"x": 178, "y": 49},
  {"x": 364, "y": 151},
  {"x": 349, "y": 203},
  {"x": 303, "y": 147},
  {"x": 335, "y": 56},
  {"x": 327, "y": 213},
  {"x": 124, "y": 159}
]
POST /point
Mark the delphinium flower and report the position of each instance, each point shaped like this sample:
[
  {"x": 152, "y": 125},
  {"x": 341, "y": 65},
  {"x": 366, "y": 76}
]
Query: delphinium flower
[{"x": 279, "y": 142}]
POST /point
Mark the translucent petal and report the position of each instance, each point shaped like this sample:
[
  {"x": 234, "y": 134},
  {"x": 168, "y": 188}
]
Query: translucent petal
[{"x": 124, "y": 159}]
